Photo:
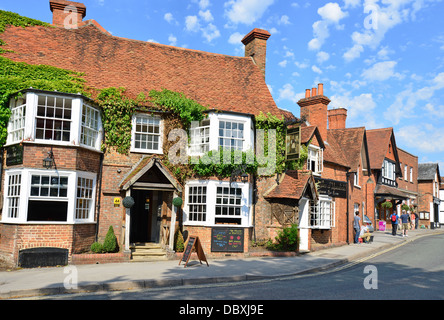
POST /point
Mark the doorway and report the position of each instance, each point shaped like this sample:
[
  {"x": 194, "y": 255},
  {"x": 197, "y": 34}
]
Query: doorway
[{"x": 146, "y": 216}]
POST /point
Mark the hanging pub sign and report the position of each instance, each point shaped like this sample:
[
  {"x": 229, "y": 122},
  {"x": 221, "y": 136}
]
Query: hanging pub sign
[
  {"x": 293, "y": 143},
  {"x": 332, "y": 188}
]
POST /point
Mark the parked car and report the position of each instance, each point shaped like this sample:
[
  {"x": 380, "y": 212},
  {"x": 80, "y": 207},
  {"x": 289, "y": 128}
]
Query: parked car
[{"x": 369, "y": 223}]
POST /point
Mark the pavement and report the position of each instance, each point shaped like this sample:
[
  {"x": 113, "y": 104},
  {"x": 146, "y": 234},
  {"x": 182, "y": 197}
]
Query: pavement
[{"x": 27, "y": 283}]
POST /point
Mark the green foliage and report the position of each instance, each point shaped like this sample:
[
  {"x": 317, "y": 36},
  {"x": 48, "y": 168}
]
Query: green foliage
[
  {"x": 288, "y": 239},
  {"x": 214, "y": 164},
  {"x": 178, "y": 241},
  {"x": 405, "y": 207},
  {"x": 118, "y": 110},
  {"x": 110, "y": 243},
  {"x": 187, "y": 109},
  {"x": 97, "y": 247},
  {"x": 386, "y": 205}
]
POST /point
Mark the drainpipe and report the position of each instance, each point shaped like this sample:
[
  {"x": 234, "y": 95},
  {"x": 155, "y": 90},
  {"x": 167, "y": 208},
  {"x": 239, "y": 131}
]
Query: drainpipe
[
  {"x": 99, "y": 196},
  {"x": 348, "y": 212}
]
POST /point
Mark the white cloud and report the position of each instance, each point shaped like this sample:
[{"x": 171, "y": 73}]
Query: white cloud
[
  {"x": 283, "y": 63},
  {"x": 301, "y": 65},
  {"x": 316, "y": 69},
  {"x": 173, "y": 40},
  {"x": 285, "y": 20},
  {"x": 235, "y": 38},
  {"x": 360, "y": 109},
  {"x": 206, "y": 15},
  {"x": 246, "y": 11},
  {"x": 381, "y": 71},
  {"x": 430, "y": 138},
  {"x": 287, "y": 93},
  {"x": 210, "y": 32},
  {"x": 169, "y": 17},
  {"x": 331, "y": 14},
  {"x": 406, "y": 101},
  {"x": 192, "y": 23},
  {"x": 322, "y": 56}
]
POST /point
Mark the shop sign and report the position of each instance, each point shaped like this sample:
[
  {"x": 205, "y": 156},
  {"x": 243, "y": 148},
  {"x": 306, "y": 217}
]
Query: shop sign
[
  {"x": 293, "y": 143},
  {"x": 332, "y": 188},
  {"x": 14, "y": 155}
]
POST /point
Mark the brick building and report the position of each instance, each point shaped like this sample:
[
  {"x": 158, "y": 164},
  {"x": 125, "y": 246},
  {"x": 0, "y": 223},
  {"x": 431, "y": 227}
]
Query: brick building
[
  {"x": 67, "y": 203},
  {"x": 429, "y": 181}
]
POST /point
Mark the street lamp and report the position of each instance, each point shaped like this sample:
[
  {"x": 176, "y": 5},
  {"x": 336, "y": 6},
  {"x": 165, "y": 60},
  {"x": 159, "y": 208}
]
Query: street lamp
[{"x": 48, "y": 161}]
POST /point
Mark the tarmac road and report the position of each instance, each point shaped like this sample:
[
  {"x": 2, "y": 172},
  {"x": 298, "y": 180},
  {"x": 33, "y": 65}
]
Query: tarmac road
[{"x": 414, "y": 271}]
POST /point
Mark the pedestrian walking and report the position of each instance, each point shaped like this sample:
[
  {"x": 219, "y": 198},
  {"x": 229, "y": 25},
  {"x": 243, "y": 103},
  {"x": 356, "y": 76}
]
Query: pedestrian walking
[
  {"x": 405, "y": 223},
  {"x": 357, "y": 226},
  {"x": 394, "y": 220},
  {"x": 416, "y": 220},
  {"x": 412, "y": 219}
]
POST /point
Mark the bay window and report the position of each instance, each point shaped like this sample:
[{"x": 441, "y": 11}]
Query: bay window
[
  {"x": 38, "y": 196},
  {"x": 322, "y": 213},
  {"x": 231, "y": 135},
  {"x": 211, "y": 203},
  {"x": 54, "y": 118}
]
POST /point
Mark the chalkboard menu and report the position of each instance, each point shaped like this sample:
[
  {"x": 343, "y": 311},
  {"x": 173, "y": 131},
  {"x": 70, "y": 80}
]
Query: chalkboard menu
[
  {"x": 227, "y": 240},
  {"x": 193, "y": 243}
]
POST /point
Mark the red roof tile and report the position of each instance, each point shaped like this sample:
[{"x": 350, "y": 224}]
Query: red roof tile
[
  {"x": 378, "y": 141},
  {"x": 292, "y": 186},
  {"x": 218, "y": 81}
]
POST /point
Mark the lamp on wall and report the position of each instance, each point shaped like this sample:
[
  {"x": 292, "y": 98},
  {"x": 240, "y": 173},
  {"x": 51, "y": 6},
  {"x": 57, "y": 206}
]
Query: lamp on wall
[
  {"x": 48, "y": 162},
  {"x": 239, "y": 173}
]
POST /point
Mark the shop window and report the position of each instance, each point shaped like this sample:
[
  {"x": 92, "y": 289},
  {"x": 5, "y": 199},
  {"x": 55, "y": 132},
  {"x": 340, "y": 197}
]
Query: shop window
[
  {"x": 228, "y": 205},
  {"x": 322, "y": 215}
]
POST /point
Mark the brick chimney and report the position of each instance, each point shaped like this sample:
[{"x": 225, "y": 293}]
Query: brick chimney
[
  {"x": 256, "y": 47},
  {"x": 337, "y": 118},
  {"x": 67, "y": 14},
  {"x": 314, "y": 109}
]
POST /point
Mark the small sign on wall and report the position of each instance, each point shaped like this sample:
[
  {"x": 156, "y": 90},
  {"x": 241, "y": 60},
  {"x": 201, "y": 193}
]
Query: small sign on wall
[{"x": 116, "y": 202}]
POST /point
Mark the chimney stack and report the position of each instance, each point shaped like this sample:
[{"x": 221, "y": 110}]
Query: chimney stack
[
  {"x": 337, "y": 118},
  {"x": 67, "y": 14},
  {"x": 256, "y": 47},
  {"x": 314, "y": 109}
]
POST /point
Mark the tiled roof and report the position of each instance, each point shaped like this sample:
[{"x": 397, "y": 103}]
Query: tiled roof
[
  {"x": 427, "y": 171},
  {"x": 293, "y": 185},
  {"x": 218, "y": 81},
  {"x": 383, "y": 190},
  {"x": 350, "y": 142},
  {"x": 378, "y": 141}
]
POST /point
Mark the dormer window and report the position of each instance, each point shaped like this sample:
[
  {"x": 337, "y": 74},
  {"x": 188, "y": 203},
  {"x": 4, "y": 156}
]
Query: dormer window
[
  {"x": 388, "y": 173},
  {"x": 54, "y": 118},
  {"x": 315, "y": 159},
  {"x": 147, "y": 134}
]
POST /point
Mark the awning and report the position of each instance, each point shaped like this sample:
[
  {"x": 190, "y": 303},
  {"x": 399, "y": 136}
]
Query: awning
[{"x": 390, "y": 193}]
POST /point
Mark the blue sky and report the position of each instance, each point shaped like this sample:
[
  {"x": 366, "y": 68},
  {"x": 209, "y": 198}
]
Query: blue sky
[{"x": 383, "y": 60}]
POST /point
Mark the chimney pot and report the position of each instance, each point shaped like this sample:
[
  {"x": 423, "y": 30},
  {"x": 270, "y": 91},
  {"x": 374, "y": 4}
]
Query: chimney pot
[
  {"x": 313, "y": 92},
  {"x": 321, "y": 89},
  {"x": 307, "y": 93}
]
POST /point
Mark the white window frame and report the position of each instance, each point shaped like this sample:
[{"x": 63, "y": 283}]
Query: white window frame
[
  {"x": 411, "y": 174},
  {"x": 405, "y": 172},
  {"x": 133, "y": 148},
  {"x": 31, "y": 118},
  {"x": 233, "y": 135},
  {"x": 25, "y": 195},
  {"x": 356, "y": 178},
  {"x": 388, "y": 170},
  {"x": 212, "y": 185},
  {"x": 91, "y": 124},
  {"x": 315, "y": 156},
  {"x": 325, "y": 211},
  {"x": 200, "y": 138},
  {"x": 17, "y": 121}
]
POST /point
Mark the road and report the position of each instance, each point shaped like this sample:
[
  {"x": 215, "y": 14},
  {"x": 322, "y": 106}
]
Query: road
[{"x": 414, "y": 271}]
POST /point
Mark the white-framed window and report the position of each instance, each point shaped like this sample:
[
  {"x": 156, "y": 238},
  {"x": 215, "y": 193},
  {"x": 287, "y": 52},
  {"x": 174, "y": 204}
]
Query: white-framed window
[
  {"x": 54, "y": 118},
  {"x": 147, "y": 133},
  {"x": 405, "y": 172},
  {"x": 42, "y": 196},
  {"x": 231, "y": 135},
  {"x": 16, "y": 127},
  {"x": 322, "y": 215},
  {"x": 197, "y": 203},
  {"x": 13, "y": 195},
  {"x": 228, "y": 204},
  {"x": 215, "y": 203},
  {"x": 315, "y": 159},
  {"x": 90, "y": 126},
  {"x": 388, "y": 172},
  {"x": 411, "y": 174},
  {"x": 84, "y": 198},
  {"x": 200, "y": 138}
]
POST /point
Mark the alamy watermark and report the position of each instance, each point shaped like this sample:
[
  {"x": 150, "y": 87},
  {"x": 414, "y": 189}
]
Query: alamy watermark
[{"x": 371, "y": 281}]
